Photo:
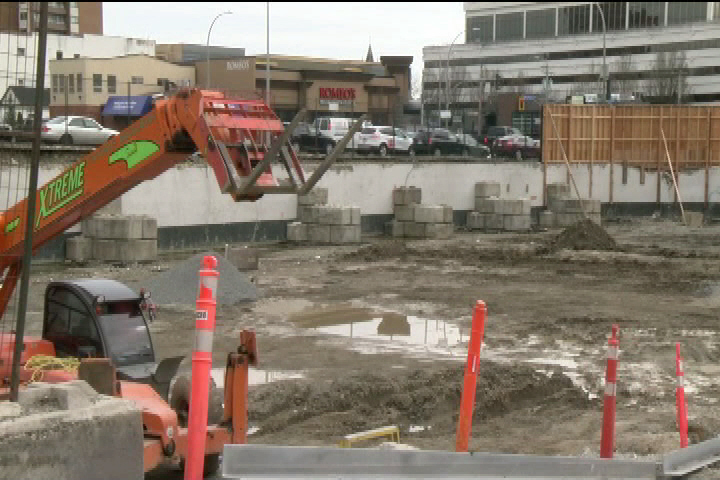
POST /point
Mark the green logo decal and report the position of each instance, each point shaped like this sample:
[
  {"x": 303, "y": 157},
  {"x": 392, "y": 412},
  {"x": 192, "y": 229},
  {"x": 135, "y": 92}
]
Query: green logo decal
[
  {"x": 134, "y": 152},
  {"x": 12, "y": 225},
  {"x": 61, "y": 191}
]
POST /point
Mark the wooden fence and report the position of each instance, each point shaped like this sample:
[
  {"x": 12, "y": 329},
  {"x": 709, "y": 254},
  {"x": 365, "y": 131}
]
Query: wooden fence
[{"x": 631, "y": 135}]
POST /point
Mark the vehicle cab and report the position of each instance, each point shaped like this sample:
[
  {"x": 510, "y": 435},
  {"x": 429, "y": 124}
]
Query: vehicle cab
[{"x": 98, "y": 318}]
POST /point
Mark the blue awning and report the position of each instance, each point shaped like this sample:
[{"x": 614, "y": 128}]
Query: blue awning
[{"x": 133, "y": 105}]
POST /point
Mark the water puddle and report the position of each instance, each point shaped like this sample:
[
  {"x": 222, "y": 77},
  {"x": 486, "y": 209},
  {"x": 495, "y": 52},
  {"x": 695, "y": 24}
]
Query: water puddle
[
  {"x": 371, "y": 330},
  {"x": 256, "y": 376}
]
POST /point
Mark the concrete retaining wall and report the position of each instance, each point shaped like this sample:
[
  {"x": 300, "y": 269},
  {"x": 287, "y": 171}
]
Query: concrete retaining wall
[
  {"x": 68, "y": 432},
  {"x": 191, "y": 211}
]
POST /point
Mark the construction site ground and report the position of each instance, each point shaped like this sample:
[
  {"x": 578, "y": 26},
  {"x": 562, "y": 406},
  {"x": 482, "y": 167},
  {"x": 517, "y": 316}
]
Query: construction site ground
[{"x": 358, "y": 337}]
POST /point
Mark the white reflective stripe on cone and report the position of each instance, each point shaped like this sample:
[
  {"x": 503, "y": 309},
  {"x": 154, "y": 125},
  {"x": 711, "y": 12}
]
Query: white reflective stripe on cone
[
  {"x": 209, "y": 282},
  {"x": 681, "y": 381},
  {"x": 610, "y": 389},
  {"x": 680, "y": 366},
  {"x": 612, "y": 353},
  {"x": 203, "y": 341}
]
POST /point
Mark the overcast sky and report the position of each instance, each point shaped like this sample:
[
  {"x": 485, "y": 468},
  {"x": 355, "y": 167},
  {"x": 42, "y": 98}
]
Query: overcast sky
[{"x": 331, "y": 30}]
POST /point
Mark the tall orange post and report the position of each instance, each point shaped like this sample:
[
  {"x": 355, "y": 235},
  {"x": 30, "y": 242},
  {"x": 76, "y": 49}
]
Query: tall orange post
[
  {"x": 607, "y": 441},
  {"x": 467, "y": 403},
  {"x": 201, "y": 366},
  {"x": 680, "y": 404}
]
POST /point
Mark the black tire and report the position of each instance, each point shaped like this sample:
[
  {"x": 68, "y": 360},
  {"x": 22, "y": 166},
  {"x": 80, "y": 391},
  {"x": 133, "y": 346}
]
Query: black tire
[
  {"x": 518, "y": 155},
  {"x": 437, "y": 152},
  {"x": 179, "y": 400},
  {"x": 66, "y": 139},
  {"x": 383, "y": 150}
]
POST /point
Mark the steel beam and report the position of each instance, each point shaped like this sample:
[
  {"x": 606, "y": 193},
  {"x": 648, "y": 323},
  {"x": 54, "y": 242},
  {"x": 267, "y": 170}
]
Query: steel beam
[
  {"x": 266, "y": 461},
  {"x": 681, "y": 462}
]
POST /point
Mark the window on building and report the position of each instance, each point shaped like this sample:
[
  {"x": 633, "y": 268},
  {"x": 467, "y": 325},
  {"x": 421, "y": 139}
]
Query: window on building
[
  {"x": 21, "y": 82},
  {"x": 61, "y": 83},
  {"x": 574, "y": 20},
  {"x": 23, "y": 16},
  {"x": 76, "y": 55},
  {"x": 686, "y": 12},
  {"x": 74, "y": 19},
  {"x": 540, "y": 23},
  {"x": 97, "y": 82},
  {"x": 54, "y": 83},
  {"x": 615, "y": 14},
  {"x": 79, "y": 82},
  {"x": 112, "y": 83},
  {"x": 137, "y": 80},
  {"x": 21, "y": 52},
  {"x": 36, "y": 18},
  {"x": 479, "y": 29},
  {"x": 71, "y": 83},
  {"x": 59, "y": 55},
  {"x": 647, "y": 14},
  {"x": 57, "y": 19},
  {"x": 161, "y": 82},
  {"x": 73, "y": 4},
  {"x": 508, "y": 26}
]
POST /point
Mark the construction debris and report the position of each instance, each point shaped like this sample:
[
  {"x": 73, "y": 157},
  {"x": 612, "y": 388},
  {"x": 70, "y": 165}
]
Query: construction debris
[
  {"x": 415, "y": 220},
  {"x": 584, "y": 235},
  {"x": 496, "y": 214},
  {"x": 564, "y": 211}
]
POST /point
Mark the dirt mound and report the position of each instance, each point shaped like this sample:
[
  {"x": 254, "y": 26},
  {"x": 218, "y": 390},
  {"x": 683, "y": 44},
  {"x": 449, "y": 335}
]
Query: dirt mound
[
  {"x": 179, "y": 284},
  {"x": 584, "y": 235},
  {"x": 369, "y": 400}
]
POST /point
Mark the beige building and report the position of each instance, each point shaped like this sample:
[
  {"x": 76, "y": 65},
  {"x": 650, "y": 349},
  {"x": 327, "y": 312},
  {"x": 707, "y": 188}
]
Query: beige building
[
  {"x": 64, "y": 18},
  {"x": 85, "y": 86},
  {"x": 323, "y": 86}
]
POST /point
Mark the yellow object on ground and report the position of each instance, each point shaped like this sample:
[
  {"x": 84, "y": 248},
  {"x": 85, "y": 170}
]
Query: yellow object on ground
[{"x": 391, "y": 431}]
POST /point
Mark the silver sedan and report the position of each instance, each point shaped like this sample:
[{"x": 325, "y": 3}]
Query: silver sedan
[{"x": 75, "y": 130}]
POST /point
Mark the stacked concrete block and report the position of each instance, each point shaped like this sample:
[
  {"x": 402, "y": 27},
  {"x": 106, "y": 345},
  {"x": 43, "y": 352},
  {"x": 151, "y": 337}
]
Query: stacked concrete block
[
  {"x": 565, "y": 210},
  {"x": 498, "y": 214},
  {"x": 322, "y": 223},
  {"x": 415, "y": 220},
  {"x": 115, "y": 238}
]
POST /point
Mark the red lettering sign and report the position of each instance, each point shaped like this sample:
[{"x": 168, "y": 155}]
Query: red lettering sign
[{"x": 337, "y": 93}]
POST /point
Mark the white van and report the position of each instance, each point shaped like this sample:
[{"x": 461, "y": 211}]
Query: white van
[{"x": 334, "y": 128}]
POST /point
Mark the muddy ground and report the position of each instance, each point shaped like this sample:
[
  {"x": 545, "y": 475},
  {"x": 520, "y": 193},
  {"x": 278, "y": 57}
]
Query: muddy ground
[{"x": 353, "y": 338}]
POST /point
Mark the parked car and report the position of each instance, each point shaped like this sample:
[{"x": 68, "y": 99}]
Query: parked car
[
  {"x": 494, "y": 133},
  {"x": 75, "y": 130},
  {"x": 517, "y": 147},
  {"x": 439, "y": 142},
  {"x": 383, "y": 140},
  {"x": 476, "y": 149}
]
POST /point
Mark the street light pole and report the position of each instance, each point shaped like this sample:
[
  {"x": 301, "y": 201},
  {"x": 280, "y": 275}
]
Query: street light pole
[
  {"x": 207, "y": 47},
  {"x": 267, "y": 57},
  {"x": 447, "y": 75},
  {"x": 604, "y": 71}
]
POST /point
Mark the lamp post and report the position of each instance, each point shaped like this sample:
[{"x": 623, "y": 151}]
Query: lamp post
[
  {"x": 604, "y": 70},
  {"x": 207, "y": 47},
  {"x": 267, "y": 58},
  {"x": 447, "y": 70}
]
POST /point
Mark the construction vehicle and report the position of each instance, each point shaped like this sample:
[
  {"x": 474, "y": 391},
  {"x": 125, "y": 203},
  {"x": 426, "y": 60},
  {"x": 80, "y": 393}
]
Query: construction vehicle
[{"x": 239, "y": 138}]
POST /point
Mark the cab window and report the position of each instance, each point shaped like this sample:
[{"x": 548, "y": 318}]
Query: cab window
[{"x": 70, "y": 325}]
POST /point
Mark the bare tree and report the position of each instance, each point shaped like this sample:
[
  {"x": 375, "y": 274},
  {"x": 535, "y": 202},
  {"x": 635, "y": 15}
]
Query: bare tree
[
  {"x": 431, "y": 85},
  {"x": 624, "y": 65},
  {"x": 668, "y": 83}
]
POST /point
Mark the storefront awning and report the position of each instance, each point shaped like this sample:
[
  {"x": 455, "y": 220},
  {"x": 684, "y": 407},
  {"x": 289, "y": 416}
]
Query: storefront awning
[{"x": 133, "y": 105}]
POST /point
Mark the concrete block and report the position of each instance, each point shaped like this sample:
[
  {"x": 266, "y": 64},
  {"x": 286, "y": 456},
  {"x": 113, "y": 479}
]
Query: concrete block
[
  {"x": 407, "y": 195},
  {"x": 397, "y": 229},
  {"x": 297, "y": 232},
  {"x": 334, "y": 215},
  {"x": 547, "y": 219},
  {"x": 405, "y": 213},
  {"x": 344, "y": 233},
  {"x": 112, "y": 208},
  {"x": 125, "y": 251},
  {"x": 573, "y": 205},
  {"x": 149, "y": 227},
  {"x": 493, "y": 221},
  {"x": 107, "y": 430},
  {"x": 694, "y": 219},
  {"x": 489, "y": 205},
  {"x": 516, "y": 223},
  {"x": 516, "y": 207},
  {"x": 557, "y": 190},
  {"x": 309, "y": 214},
  {"x": 438, "y": 230},
  {"x": 355, "y": 216},
  {"x": 475, "y": 220},
  {"x": 78, "y": 249},
  {"x": 318, "y": 233},
  {"x": 447, "y": 214},
  {"x": 429, "y": 214},
  {"x": 118, "y": 227},
  {"x": 316, "y": 196},
  {"x": 414, "y": 230},
  {"x": 9, "y": 410},
  {"x": 487, "y": 189},
  {"x": 243, "y": 258}
]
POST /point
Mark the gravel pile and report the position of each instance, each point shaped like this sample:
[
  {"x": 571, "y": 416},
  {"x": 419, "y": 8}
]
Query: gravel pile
[
  {"x": 584, "y": 235},
  {"x": 179, "y": 284}
]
